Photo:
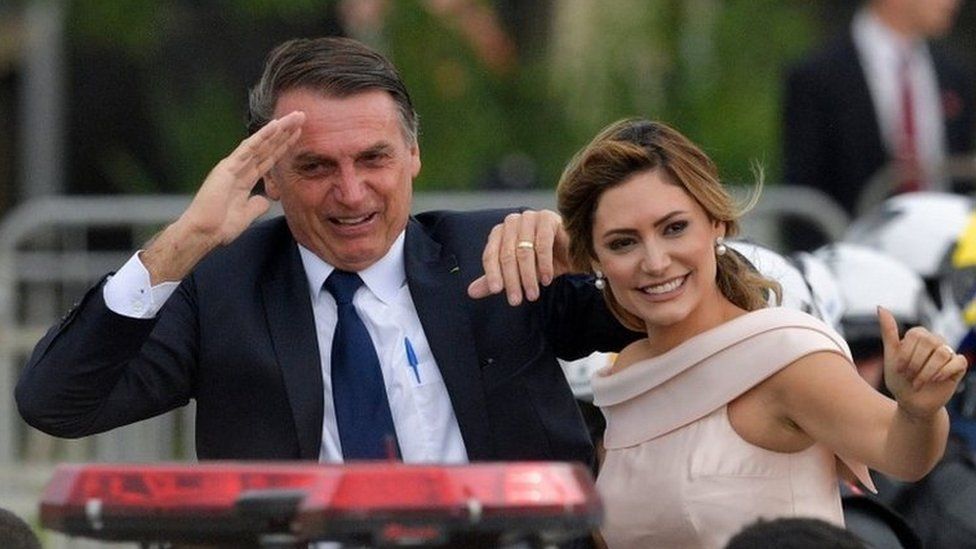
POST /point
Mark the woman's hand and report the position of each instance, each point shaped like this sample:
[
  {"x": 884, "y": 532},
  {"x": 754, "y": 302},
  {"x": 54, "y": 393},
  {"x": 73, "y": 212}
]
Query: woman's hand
[{"x": 921, "y": 370}]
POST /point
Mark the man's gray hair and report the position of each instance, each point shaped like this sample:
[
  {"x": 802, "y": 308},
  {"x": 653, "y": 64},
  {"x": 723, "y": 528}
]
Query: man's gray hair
[{"x": 335, "y": 67}]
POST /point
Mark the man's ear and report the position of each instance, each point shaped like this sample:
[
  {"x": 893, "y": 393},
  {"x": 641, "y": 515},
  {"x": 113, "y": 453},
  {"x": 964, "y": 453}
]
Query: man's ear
[
  {"x": 414, "y": 160},
  {"x": 271, "y": 188}
]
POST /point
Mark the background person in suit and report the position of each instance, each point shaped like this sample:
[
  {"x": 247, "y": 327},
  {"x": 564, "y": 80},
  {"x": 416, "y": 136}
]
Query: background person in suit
[
  {"x": 880, "y": 93},
  {"x": 252, "y": 323}
]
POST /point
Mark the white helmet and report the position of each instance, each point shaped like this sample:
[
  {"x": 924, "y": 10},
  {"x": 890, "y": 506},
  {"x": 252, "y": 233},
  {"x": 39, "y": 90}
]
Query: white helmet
[
  {"x": 918, "y": 229},
  {"x": 772, "y": 265},
  {"x": 828, "y": 300},
  {"x": 868, "y": 278}
]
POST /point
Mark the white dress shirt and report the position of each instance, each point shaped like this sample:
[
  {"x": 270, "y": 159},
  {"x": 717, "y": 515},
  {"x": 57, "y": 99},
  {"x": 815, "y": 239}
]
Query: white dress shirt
[
  {"x": 426, "y": 427},
  {"x": 881, "y": 52}
]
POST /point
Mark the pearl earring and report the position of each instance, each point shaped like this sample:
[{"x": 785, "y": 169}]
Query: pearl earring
[
  {"x": 600, "y": 281},
  {"x": 720, "y": 247}
]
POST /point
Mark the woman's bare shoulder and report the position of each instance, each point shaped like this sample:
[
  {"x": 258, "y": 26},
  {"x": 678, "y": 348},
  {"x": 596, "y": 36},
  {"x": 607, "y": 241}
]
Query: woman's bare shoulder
[{"x": 632, "y": 353}]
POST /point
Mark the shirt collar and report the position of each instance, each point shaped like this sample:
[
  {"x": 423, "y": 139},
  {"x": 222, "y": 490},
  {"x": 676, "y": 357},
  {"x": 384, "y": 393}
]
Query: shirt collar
[
  {"x": 890, "y": 47},
  {"x": 383, "y": 278}
]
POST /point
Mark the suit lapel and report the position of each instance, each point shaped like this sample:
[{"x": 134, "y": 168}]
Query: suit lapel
[
  {"x": 955, "y": 104},
  {"x": 440, "y": 298},
  {"x": 859, "y": 98},
  {"x": 292, "y": 327}
]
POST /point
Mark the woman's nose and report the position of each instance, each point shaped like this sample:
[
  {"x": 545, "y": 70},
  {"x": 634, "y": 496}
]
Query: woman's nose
[{"x": 656, "y": 259}]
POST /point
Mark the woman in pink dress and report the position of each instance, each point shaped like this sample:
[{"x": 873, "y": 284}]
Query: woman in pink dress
[{"x": 728, "y": 411}]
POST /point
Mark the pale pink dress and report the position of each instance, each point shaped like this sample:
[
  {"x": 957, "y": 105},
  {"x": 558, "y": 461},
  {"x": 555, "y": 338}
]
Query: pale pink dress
[{"x": 676, "y": 473}]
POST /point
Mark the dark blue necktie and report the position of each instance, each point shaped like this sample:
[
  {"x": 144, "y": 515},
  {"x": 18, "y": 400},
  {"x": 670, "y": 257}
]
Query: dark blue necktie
[{"x": 361, "y": 405}]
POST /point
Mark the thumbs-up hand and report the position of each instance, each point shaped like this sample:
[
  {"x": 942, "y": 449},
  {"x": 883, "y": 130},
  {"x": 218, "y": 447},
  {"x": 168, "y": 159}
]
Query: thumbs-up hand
[{"x": 921, "y": 371}]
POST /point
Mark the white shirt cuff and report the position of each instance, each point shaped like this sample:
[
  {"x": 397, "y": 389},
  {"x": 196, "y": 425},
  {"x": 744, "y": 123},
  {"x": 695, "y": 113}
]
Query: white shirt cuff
[{"x": 129, "y": 293}]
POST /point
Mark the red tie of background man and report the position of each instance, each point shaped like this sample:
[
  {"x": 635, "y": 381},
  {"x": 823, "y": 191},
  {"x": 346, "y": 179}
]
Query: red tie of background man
[{"x": 909, "y": 175}]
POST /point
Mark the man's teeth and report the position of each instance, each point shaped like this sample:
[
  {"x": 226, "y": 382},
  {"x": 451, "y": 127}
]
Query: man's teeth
[
  {"x": 665, "y": 288},
  {"x": 351, "y": 220}
]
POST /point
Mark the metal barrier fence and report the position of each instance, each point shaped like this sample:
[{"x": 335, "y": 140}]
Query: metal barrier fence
[{"x": 52, "y": 249}]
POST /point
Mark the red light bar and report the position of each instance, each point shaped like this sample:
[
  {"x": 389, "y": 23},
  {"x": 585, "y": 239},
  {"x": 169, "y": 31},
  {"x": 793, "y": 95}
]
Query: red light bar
[
  {"x": 142, "y": 502},
  {"x": 370, "y": 502},
  {"x": 408, "y": 504}
]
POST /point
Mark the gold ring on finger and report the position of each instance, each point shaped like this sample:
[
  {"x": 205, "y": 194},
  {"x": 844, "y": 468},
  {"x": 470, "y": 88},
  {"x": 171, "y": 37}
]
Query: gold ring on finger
[{"x": 525, "y": 245}]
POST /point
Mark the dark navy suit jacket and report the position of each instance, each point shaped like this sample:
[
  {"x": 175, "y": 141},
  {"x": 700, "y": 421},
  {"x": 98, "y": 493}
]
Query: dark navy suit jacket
[
  {"x": 830, "y": 130},
  {"x": 238, "y": 336}
]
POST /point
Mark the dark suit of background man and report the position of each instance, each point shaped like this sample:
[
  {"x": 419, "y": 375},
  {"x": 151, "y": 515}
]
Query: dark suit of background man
[
  {"x": 845, "y": 108},
  {"x": 236, "y": 317}
]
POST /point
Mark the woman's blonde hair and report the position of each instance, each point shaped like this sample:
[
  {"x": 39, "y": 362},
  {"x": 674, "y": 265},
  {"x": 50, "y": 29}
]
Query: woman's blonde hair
[{"x": 633, "y": 146}]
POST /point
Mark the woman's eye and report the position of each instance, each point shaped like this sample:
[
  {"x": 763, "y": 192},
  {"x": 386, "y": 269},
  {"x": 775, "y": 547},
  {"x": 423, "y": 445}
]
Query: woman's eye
[
  {"x": 675, "y": 228},
  {"x": 619, "y": 243}
]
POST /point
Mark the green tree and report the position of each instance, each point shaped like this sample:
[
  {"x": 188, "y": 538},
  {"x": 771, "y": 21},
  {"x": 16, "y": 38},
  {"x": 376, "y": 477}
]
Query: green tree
[{"x": 711, "y": 68}]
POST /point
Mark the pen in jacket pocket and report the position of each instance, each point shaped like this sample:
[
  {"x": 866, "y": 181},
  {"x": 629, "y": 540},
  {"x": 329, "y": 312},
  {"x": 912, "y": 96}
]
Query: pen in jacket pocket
[{"x": 412, "y": 358}]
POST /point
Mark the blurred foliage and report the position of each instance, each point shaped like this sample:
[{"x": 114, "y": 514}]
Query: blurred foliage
[
  {"x": 463, "y": 120},
  {"x": 248, "y": 10},
  {"x": 185, "y": 66},
  {"x": 135, "y": 31},
  {"x": 208, "y": 113},
  {"x": 712, "y": 68},
  {"x": 733, "y": 108},
  {"x": 477, "y": 123}
]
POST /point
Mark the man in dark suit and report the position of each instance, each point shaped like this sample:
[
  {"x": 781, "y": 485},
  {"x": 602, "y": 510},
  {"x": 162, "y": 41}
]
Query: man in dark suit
[
  {"x": 250, "y": 322},
  {"x": 845, "y": 107}
]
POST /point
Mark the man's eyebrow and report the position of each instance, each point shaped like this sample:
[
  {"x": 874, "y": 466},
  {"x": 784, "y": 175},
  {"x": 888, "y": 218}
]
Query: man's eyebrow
[
  {"x": 378, "y": 148},
  {"x": 308, "y": 157}
]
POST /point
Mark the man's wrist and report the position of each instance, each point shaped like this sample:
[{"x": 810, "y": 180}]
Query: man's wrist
[
  {"x": 129, "y": 293},
  {"x": 174, "y": 253}
]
